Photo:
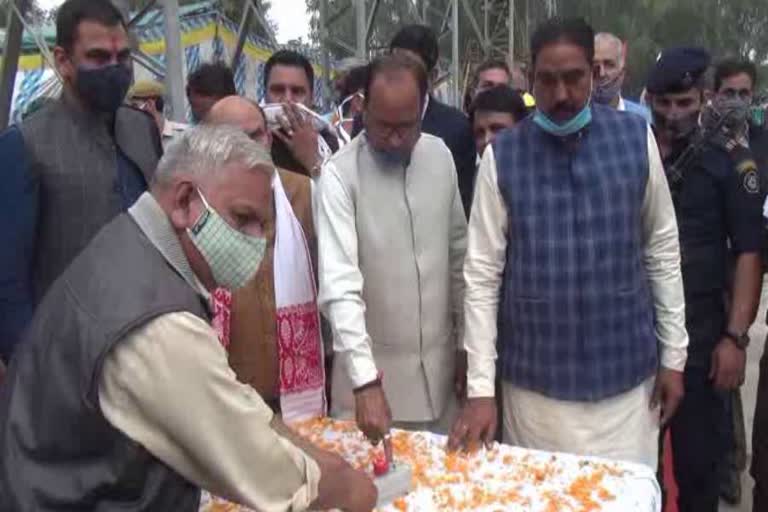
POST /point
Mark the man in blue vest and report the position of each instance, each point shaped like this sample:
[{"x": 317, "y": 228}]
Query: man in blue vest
[
  {"x": 573, "y": 248},
  {"x": 715, "y": 188}
]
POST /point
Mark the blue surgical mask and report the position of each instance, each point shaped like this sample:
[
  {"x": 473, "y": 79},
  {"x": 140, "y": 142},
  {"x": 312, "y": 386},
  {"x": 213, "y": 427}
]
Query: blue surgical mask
[{"x": 573, "y": 125}]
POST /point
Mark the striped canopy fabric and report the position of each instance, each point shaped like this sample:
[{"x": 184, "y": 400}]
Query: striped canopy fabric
[{"x": 207, "y": 35}]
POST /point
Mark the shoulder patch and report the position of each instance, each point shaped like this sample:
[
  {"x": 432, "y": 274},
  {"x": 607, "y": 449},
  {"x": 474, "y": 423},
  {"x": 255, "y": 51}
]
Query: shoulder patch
[{"x": 750, "y": 181}]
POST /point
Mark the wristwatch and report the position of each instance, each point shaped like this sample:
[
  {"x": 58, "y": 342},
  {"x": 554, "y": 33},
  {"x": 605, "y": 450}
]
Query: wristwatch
[{"x": 741, "y": 340}]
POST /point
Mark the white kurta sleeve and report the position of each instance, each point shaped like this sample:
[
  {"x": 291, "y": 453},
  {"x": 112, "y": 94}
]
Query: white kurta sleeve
[
  {"x": 662, "y": 263},
  {"x": 168, "y": 386},
  {"x": 341, "y": 282},
  {"x": 458, "y": 251},
  {"x": 483, "y": 269}
]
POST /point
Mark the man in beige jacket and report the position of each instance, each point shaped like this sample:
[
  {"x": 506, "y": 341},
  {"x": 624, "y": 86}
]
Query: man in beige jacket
[{"x": 392, "y": 237}]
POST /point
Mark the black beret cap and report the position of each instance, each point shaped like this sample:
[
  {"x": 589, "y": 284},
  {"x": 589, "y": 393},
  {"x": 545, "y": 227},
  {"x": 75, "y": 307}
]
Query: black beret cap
[{"x": 677, "y": 70}]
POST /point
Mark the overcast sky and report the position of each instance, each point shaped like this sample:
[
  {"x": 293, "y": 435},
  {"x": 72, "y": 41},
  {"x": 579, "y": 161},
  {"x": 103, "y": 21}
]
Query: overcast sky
[{"x": 290, "y": 15}]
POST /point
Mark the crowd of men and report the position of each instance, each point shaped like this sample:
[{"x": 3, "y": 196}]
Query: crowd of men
[{"x": 561, "y": 265}]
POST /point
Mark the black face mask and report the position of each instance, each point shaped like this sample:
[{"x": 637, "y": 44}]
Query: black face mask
[
  {"x": 679, "y": 128},
  {"x": 104, "y": 88}
]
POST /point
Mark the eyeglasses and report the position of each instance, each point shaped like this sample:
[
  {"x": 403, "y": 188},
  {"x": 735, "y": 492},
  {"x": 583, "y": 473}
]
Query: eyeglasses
[{"x": 386, "y": 131}]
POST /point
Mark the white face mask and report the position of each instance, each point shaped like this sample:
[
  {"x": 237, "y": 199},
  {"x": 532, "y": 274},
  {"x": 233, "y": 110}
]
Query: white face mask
[{"x": 340, "y": 108}]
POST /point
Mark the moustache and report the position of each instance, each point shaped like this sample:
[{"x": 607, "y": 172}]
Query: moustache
[{"x": 564, "y": 110}]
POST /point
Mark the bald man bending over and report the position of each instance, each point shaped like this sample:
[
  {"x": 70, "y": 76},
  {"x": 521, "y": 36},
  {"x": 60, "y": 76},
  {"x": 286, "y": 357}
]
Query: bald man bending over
[{"x": 254, "y": 352}]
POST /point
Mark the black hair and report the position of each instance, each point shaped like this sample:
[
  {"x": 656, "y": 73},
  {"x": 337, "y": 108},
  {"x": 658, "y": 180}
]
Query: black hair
[
  {"x": 293, "y": 59},
  {"x": 421, "y": 40},
  {"x": 354, "y": 81},
  {"x": 499, "y": 99},
  {"x": 493, "y": 64},
  {"x": 393, "y": 63},
  {"x": 731, "y": 67},
  {"x": 571, "y": 30},
  {"x": 73, "y": 12},
  {"x": 214, "y": 79}
]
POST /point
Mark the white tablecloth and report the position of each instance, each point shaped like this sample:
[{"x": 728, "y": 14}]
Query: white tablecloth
[{"x": 503, "y": 478}]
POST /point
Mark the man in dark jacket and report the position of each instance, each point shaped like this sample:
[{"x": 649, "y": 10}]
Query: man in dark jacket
[
  {"x": 735, "y": 82},
  {"x": 75, "y": 164},
  {"x": 440, "y": 120}
]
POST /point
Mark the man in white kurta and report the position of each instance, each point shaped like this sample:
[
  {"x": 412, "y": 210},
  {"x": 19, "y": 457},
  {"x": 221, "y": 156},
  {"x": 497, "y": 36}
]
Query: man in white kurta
[{"x": 392, "y": 240}]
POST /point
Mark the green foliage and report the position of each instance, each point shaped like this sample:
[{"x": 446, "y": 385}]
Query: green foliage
[{"x": 725, "y": 27}]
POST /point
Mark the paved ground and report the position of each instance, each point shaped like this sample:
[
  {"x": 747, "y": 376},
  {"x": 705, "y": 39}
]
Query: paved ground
[{"x": 749, "y": 391}]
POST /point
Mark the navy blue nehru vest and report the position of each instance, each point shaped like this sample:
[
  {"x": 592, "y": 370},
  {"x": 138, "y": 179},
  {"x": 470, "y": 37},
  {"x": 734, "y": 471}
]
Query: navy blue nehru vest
[{"x": 576, "y": 317}]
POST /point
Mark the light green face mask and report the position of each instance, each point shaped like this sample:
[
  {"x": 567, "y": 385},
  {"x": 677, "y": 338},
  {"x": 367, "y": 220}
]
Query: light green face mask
[{"x": 234, "y": 257}]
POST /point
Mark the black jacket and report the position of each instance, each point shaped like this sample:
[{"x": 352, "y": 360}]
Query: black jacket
[
  {"x": 452, "y": 126},
  {"x": 758, "y": 143}
]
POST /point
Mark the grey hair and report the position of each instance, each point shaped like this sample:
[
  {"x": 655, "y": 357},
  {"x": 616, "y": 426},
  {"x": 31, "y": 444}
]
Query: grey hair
[
  {"x": 205, "y": 150},
  {"x": 615, "y": 40}
]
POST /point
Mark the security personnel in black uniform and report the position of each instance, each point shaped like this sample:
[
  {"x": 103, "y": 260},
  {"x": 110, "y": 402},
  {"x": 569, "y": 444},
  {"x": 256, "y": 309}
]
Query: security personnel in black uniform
[
  {"x": 717, "y": 198},
  {"x": 735, "y": 85}
]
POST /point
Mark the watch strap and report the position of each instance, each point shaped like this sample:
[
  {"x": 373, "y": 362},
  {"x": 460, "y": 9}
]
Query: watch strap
[{"x": 741, "y": 340}]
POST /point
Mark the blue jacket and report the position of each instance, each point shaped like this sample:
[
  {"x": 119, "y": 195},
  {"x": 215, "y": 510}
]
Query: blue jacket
[
  {"x": 636, "y": 108},
  {"x": 576, "y": 315},
  {"x": 18, "y": 209}
]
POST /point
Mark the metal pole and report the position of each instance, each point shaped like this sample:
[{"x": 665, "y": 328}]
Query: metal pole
[
  {"x": 361, "y": 24},
  {"x": 124, "y": 7},
  {"x": 174, "y": 61},
  {"x": 143, "y": 12},
  {"x": 455, "y": 53},
  {"x": 326, "y": 51},
  {"x": 486, "y": 38},
  {"x": 511, "y": 23},
  {"x": 13, "y": 34},
  {"x": 256, "y": 10},
  {"x": 242, "y": 33},
  {"x": 424, "y": 10},
  {"x": 372, "y": 19}
]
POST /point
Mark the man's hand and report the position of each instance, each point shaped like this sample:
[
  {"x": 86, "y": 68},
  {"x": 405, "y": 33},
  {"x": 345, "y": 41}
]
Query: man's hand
[
  {"x": 728, "y": 365},
  {"x": 300, "y": 137},
  {"x": 668, "y": 392},
  {"x": 476, "y": 424},
  {"x": 372, "y": 412},
  {"x": 341, "y": 486},
  {"x": 362, "y": 493},
  {"x": 460, "y": 376}
]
